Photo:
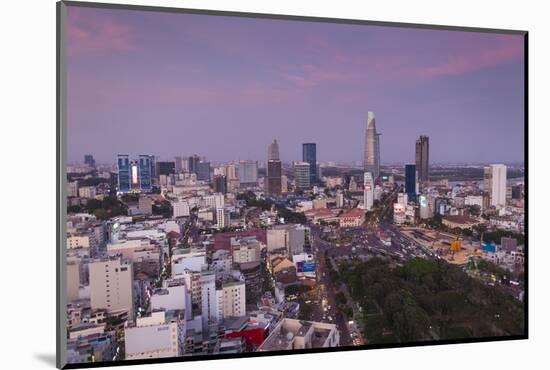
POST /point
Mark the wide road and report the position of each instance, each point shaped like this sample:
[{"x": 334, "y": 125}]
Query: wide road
[{"x": 319, "y": 248}]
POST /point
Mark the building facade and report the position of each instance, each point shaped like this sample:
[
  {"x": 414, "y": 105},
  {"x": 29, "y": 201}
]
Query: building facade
[
  {"x": 302, "y": 175},
  {"x": 309, "y": 155},
  {"x": 422, "y": 156},
  {"x": 411, "y": 180},
  {"x": 111, "y": 285},
  {"x": 368, "y": 196},
  {"x": 248, "y": 173},
  {"x": 274, "y": 183},
  {"x": 371, "y": 161}
]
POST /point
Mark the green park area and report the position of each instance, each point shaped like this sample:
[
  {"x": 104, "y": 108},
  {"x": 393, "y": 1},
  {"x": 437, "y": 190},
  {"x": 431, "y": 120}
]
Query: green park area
[{"x": 427, "y": 300}]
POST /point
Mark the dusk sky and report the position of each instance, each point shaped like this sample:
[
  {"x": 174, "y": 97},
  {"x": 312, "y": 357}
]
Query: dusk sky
[{"x": 225, "y": 87}]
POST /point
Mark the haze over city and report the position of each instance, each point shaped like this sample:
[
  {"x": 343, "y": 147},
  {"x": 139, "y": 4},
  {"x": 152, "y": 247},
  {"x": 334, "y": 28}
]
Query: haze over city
[
  {"x": 167, "y": 84},
  {"x": 239, "y": 186}
]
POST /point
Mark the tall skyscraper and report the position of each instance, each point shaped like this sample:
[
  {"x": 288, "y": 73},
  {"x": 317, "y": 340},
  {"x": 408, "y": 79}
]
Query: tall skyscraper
[
  {"x": 422, "y": 155},
  {"x": 89, "y": 160},
  {"x": 123, "y": 168},
  {"x": 248, "y": 173},
  {"x": 368, "y": 195},
  {"x": 232, "y": 174},
  {"x": 154, "y": 174},
  {"x": 193, "y": 163},
  {"x": 203, "y": 171},
  {"x": 411, "y": 177},
  {"x": 301, "y": 175},
  {"x": 220, "y": 184},
  {"x": 166, "y": 168},
  {"x": 371, "y": 162},
  {"x": 494, "y": 183},
  {"x": 182, "y": 164},
  {"x": 309, "y": 155},
  {"x": 273, "y": 177},
  {"x": 145, "y": 173},
  {"x": 273, "y": 151}
]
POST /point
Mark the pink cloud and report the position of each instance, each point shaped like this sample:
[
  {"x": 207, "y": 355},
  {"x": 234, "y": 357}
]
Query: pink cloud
[
  {"x": 475, "y": 60},
  {"x": 475, "y": 57},
  {"x": 90, "y": 32}
]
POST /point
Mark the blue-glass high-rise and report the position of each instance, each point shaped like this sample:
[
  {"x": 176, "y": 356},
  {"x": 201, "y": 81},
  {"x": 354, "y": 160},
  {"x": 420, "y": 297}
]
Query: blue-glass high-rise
[
  {"x": 410, "y": 179},
  {"x": 145, "y": 173},
  {"x": 309, "y": 155},
  {"x": 123, "y": 166},
  {"x": 203, "y": 171}
]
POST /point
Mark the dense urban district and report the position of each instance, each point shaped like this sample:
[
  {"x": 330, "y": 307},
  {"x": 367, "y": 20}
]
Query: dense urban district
[{"x": 186, "y": 257}]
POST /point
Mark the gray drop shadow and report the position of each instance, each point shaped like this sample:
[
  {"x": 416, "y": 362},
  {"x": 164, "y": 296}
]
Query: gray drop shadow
[{"x": 47, "y": 358}]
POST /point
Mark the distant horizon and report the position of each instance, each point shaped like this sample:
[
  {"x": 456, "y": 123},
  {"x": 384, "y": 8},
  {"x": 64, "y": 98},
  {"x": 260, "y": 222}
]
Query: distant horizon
[
  {"x": 213, "y": 85},
  {"x": 357, "y": 163}
]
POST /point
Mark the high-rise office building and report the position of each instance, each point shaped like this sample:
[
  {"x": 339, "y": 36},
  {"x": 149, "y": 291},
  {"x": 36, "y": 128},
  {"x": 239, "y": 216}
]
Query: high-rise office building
[
  {"x": 309, "y": 155},
  {"x": 154, "y": 173},
  {"x": 422, "y": 155},
  {"x": 123, "y": 169},
  {"x": 302, "y": 176},
  {"x": 273, "y": 151},
  {"x": 182, "y": 164},
  {"x": 193, "y": 163},
  {"x": 203, "y": 171},
  {"x": 166, "y": 168},
  {"x": 494, "y": 183},
  {"x": 248, "y": 173},
  {"x": 371, "y": 161},
  {"x": 135, "y": 175},
  {"x": 220, "y": 184},
  {"x": 145, "y": 173},
  {"x": 368, "y": 192},
  {"x": 487, "y": 185},
  {"x": 274, "y": 177},
  {"x": 232, "y": 174},
  {"x": 411, "y": 179},
  {"x": 231, "y": 171},
  {"x": 89, "y": 160}
]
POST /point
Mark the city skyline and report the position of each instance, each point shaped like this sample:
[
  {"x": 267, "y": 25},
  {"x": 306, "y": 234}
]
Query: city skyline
[
  {"x": 442, "y": 84},
  {"x": 286, "y": 186}
]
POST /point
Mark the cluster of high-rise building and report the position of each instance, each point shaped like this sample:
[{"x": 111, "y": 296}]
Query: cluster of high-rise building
[{"x": 192, "y": 281}]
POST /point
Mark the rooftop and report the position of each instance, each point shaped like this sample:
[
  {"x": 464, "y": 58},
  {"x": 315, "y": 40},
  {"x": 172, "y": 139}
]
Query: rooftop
[
  {"x": 354, "y": 212},
  {"x": 283, "y": 336}
]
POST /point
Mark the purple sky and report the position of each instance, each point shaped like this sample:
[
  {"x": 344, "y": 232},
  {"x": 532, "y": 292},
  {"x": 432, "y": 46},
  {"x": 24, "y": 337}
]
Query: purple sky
[{"x": 225, "y": 87}]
